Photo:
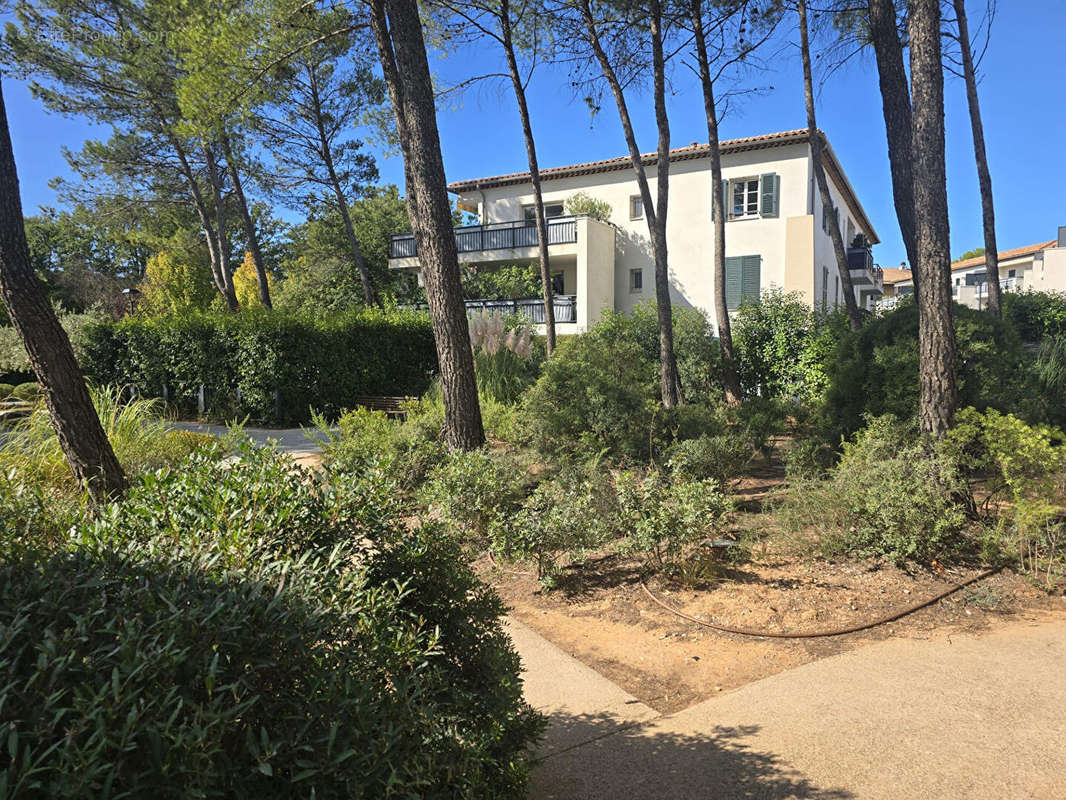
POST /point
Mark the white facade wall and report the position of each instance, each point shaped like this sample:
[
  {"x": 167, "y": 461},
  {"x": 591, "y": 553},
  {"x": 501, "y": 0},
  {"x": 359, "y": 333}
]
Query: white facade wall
[{"x": 690, "y": 231}]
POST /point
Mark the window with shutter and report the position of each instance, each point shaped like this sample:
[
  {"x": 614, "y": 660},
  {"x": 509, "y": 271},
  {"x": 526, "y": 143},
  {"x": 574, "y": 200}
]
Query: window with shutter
[
  {"x": 743, "y": 280},
  {"x": 771, "y": 183},
  {"x": 733, "y": 268},
  {"x": 751, "y": 278}
]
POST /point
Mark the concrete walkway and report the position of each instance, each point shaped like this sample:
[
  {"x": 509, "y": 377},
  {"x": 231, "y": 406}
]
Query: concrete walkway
[
  {"x": 293, "y": 441},
  {"x": 952, "y": 717}
]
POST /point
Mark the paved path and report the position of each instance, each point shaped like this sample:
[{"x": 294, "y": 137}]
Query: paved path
[
  {"x": 288, "y": 440},
  {"x": 951, "y": 717}
]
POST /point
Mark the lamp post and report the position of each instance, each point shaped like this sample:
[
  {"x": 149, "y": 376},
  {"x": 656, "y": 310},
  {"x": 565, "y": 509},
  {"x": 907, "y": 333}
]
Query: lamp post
[{"x": 131, "y": 297}]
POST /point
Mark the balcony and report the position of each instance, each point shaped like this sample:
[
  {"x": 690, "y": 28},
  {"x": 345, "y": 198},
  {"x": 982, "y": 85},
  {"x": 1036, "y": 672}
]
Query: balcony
[
  {"x": 494, "y": 236},
  {"x": 564, "y": 305},
  {"x": 864, "y": 272}
]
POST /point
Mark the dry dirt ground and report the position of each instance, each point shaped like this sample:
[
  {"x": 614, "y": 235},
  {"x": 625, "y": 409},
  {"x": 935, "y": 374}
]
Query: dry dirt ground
[{"x": 601, "y": 615}]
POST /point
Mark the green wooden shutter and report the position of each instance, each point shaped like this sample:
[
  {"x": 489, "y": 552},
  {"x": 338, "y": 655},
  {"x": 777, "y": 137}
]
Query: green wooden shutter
[
  {"x": 751, "y": 277},
  {"x": 770, "y": 185},
  {"x": 733, "y": 269},
  {"x": 725, "y": 199}
]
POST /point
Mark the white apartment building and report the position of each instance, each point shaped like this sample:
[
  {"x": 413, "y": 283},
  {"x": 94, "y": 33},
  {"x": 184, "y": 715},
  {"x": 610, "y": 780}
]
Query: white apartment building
[
  {"x": 1037, "y": 267},
  {"x": 776, "y": 231}
]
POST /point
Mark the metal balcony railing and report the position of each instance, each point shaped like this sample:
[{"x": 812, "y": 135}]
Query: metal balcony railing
[
  {"x": 495, "y": 236},
  {"x": 564, "y": 305}
]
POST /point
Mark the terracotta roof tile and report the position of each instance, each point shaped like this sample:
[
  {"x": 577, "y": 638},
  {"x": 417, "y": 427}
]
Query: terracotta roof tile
[
  {"x": 898, "y": 275},
  {"x": 894, "y": 275},
  {"x": 692, "y": 151}
]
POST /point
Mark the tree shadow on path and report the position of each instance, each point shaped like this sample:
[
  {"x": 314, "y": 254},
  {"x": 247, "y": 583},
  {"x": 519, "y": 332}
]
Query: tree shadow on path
[{"x": 614, "y": 761}]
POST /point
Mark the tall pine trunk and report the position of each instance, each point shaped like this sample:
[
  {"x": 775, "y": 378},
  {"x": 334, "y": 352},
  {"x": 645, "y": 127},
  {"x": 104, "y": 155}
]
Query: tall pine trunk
[
  {"x": 221, "y": 236},
  {"x": 534, "y": 176},
  {"x": 670, "y": 379},
  {"x": 401, "y": 46},
  {"x": 250, "y": 234},
  {"x": 984, "y": 177},
  {"x": 219, "y": 268},
  {"x": 670, "y": 384},
  {"x": 936, "y": 333},
  {"x": 369, "y": 295},
  {"x": 81, "y": 436},
  {"x": 730, "y": 381},
  {"x": 896, "y": 108},
  {"x": 839, "y": 249}
]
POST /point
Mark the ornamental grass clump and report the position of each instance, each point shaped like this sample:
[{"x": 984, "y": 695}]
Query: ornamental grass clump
[{"x": 504, "y": 360}]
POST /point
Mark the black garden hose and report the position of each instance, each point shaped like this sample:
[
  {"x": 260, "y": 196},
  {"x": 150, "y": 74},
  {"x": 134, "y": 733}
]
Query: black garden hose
[{"x": 820, "y": 634}]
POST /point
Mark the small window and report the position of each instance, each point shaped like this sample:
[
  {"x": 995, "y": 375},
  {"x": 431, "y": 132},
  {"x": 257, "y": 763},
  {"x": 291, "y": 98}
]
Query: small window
[
  {"x": 825, "y": 288},
  {"x": 558, "y": 284},
  {"x": 636, "y": 207},
  {"x": 529, "y": 213},
  {"x": 744, "y": 198},
  {"x": 636, "y": 280},
  {"x": 1012, "y": 273}
]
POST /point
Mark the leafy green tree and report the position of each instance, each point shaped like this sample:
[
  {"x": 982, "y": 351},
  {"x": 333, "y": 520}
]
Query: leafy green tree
[
  {"x": 584, "y": 203},
  {"x": 977, "y": 251},
  {"x": 325, "y": 93},
  {"x": 317, "y": 269},
  {"x": 177, "y": 280},
  {"x": 116, "y": 63}
]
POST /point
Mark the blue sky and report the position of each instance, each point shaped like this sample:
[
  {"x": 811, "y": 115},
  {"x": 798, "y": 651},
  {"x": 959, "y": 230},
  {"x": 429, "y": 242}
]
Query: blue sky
[{"x": 1021, "y": 95}]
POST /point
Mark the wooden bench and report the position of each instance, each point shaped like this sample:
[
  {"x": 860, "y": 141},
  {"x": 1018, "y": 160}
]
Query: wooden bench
[{"x": 391, "y": 406}]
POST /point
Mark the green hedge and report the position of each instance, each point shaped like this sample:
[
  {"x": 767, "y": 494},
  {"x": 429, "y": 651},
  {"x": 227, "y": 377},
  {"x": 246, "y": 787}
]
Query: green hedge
[{"x": 315, "y": 362}]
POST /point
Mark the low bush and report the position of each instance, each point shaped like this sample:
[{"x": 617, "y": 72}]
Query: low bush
[
  {"x": 405, "y": 451},
  {"x": 721, "y": 458},
  {"x": 1025, "y": 466},
  {"x": 270, "y": 366},
  {"x": 5, "y": 390},
  {"x": 598, "y": 393},
  {"x": 241, "y": 631},
  {"x": 28, "y": 392},
  {"x": 567, "y": 515},
  {"x": 660, "y": 515},
  {"x": 473, "y": 491},
  {"x": 892, "y": 494}
]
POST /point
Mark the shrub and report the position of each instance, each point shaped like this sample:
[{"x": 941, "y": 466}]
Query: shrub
[
  {"x": 569, "y": 514},
  {"x": 472, "y": 491},
  {"x": 1035, "y": 315},
  {"x": 783, "y": 347},
  {"x": 272, "y": 641},
  {"x": 28, "y": 392},
  {"x": 269, "y": 365},
  {"x": 699, "y": 362},
  {"x": 584, "y": 203},
  {"x": 892, "y": 494},
  {"x": 661, "y": 515},
  {"x": 1028, "y": 464},
  {"x": 720, "y": 458},
  {"x": 5, "y": 390},
  {"x": 506, "y": 282},
  {"x": 405, "y": 451},
  {"x": 875, "y": 370},
  {"x": 598, "y": 392}
]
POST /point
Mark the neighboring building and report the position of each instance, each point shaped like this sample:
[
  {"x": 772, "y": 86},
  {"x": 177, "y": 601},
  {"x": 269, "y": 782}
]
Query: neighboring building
[
  {"x": 776, "y": 232},
  {"x": 1036, "y": 267}
]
